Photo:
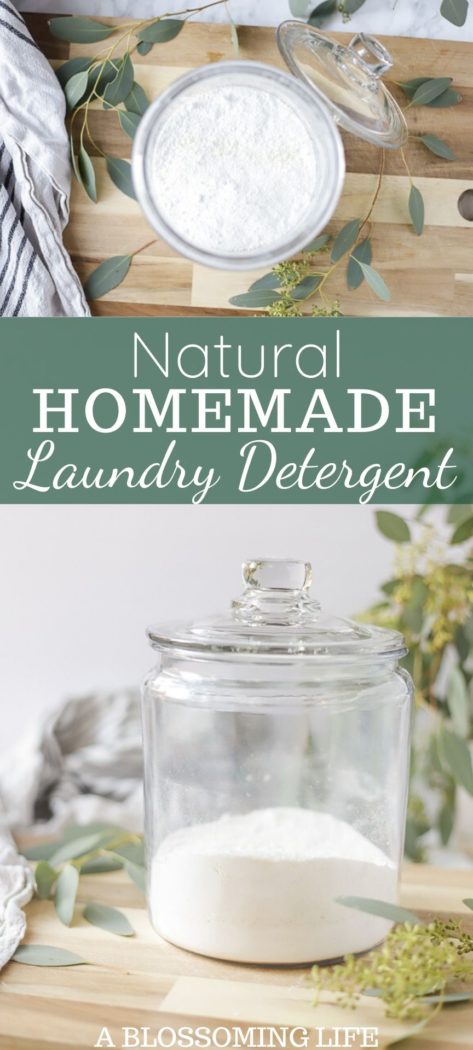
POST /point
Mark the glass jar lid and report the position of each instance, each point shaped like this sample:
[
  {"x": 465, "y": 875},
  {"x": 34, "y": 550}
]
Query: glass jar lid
[
  {"x": 277, "y": 616},
  {"x": 347, "y": 80}
]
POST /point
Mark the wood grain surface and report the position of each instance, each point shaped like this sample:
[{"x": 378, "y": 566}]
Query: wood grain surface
[
  {"x": 142, "y": 981},
  {"x": 428, "y": 275}
]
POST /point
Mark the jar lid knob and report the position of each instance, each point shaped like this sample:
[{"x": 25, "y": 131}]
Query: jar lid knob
[
  {"x": 371, "y": 54},
  {"x": 280, "y": 574},
  {"x": 276, "y": 592}
]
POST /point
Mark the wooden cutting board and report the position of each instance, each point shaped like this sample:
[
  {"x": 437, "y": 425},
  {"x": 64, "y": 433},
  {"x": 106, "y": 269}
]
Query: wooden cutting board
[
  {"x": 142, "y": 981},
  {"x": 430, "y": 275}
]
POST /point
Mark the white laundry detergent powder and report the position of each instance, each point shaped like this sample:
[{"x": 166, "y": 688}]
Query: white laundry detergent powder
[
  {"x": 233, "y": 169},
  {"x": 262, "y": 887}
]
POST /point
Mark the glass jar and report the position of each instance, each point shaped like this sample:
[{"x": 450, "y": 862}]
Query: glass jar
[
  {"x": 276, "y": 746},
  {"x": 331, "y": 85}
]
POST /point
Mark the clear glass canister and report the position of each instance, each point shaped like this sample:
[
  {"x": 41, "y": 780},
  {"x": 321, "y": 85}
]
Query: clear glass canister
[
  {"x": 276, "y": 743},
  {"x": 328, "y": 85}
]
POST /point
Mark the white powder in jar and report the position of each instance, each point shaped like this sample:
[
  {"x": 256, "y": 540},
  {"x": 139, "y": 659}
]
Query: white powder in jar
[
  {"x": 261, "y": 888},
  {"x": 233, "y": 169}
]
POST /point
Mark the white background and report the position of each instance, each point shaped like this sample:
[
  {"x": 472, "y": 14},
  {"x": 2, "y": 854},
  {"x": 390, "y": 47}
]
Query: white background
[{"x": 80, "y": 584}]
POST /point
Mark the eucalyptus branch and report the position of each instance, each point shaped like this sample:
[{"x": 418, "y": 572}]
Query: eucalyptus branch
[
  {"x": 108, "y": 77},
  {"x": 111, "y": 272},
  {"x": 415, "y": 973},
  {"x": 298, "y": 281},
  {"x": 196, "y": 10},
  {"x": 455, "y": 13},
  {"x": 349, "y": 244},
  {"x": 377, "y": 191},
  {"x": 404, "y": 161},
  {"x": 430, "y": 601}
]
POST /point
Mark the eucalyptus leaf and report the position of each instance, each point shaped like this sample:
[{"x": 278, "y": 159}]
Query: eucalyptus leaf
[
  {"x": 108, "y": 918},
  {"x": 270, "y": 280},
  {"x": 458, "y": 702},
  {"x": 80, "y": 30},
  {"x": 412, "y": 847},
  {"x": 298, "y": 8},
  {"x": 306, "y": 287},
  {"x": 44, "y": 851},
  {"x": 463, "y": 645},
  {"x": 144, "y": 47},
  {"x": 75, "y": 88},
  {"x": 137, "y": 101},
  {"x": 469, "y": 902},
  {"x": 76, "y": 848},
  {"x": 362, "y": 253},
  {"x": 375, "y": 281},
  {"x": 446, "y": 822},
  {"x": 87, "y": 174},
  {"x": 318, "y": 244},
  {"x": 463, "y": 532},
  {"x": 417, "y": 210},
  {"x": 389, "y": 587},
  {"x": 132, "y": 851},
  {"x": 100, "y": 865},
  {"x": 255, "y": 300},
  {"x": 75, "y": 161},
  {"x": 71, "y": 67},
  {"x": 137, "y": 874},
  {"x": 45, "y": 877},
  {"x": 448, "y": 98},
  {"x": 410, "y": 86},
  {"x": 435, "y": 760},
  {"x": 101, "y": 75},
  {"x": 455, "y": 11},
  {"x": 108, "y": 275},
  {"x": 383, "y": 909},
  {"x": 350, "y": 6},
  {"x": 459, "y": 512},
  {"x": 322, "y": 12},
  {"x": 448, "y": 998},
  {"x": 129, "y": 122},
  {"x": 430, "y": 90},
  {"x": 437, "y": 146},
  {"x": 46, "y": 955},
  {"x": 66, "y": 893},
  {"x": 119, "y": 88},
  {"x": 414, "y": 609},
  {"x": 345, "y": 239},
  {"x": 160, "y": 31},
  {"x": 393, "y": 527},
  {"x": 77, "y": 831},
  {"x": 120, "y": 174},
  {"x": 456, "y": 757},
  {"x": 408, "y": 1036}
]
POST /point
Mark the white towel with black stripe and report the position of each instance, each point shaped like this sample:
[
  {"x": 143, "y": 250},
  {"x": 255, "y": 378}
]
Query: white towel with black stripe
[{"x": 37, "y": 278}]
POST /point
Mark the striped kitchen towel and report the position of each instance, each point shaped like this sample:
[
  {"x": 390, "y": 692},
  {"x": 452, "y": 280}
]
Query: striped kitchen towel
[{"x": 37, "y": 278}]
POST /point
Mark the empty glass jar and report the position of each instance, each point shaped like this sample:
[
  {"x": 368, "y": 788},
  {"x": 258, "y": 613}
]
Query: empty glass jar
[{"x": 276, "y": 747}]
